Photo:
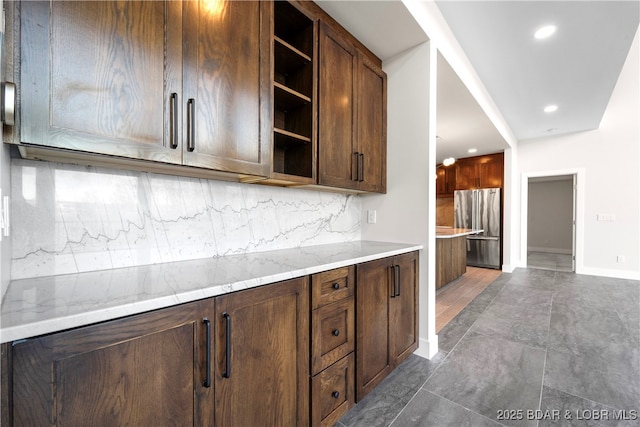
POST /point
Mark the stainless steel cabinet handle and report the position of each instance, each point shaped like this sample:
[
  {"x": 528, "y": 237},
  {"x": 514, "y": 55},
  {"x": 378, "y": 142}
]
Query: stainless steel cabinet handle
[
  {"x": 173, "y": 121},
  {"x": 396, "y": 269},
  {"x": 191, "y": 124},
  {"x": 361, "y": 168}
]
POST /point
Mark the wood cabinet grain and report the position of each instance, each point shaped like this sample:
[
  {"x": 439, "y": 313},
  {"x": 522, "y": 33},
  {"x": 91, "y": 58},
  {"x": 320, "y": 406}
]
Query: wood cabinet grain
[
  {"x": 147, "y": 369},
  {"x": 480, "y": 172},
  {"x": 333, "y": 338},
  {"x": 351, "y": 116},
  {"x": 262, "y": 356},
  {"x": 451, "y": 259},
  {"x": 226, "y": 71},
  {"x": 98, "y": 76},
  {"x": 171, "y": 82},
  {"x": 386, "y": 318}
]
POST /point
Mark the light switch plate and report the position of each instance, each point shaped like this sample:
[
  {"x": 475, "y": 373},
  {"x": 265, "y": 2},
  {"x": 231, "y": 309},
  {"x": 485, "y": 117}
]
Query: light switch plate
[{"x": 371, "y": 217}]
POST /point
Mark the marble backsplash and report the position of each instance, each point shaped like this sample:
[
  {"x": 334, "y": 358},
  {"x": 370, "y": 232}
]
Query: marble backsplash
[{"x": 69, "y": 219}]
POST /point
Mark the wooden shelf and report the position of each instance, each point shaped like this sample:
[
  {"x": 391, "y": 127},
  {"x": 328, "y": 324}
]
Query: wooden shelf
[
  {"x": 287, "y": 56},
  {"x": 293, "y": 158},
  {"x": 288, "y": 98},
  {"x": 285, "y": 137}
]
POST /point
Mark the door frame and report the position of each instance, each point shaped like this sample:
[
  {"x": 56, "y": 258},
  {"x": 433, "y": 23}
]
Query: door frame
[{"x": 578, "y": 208}]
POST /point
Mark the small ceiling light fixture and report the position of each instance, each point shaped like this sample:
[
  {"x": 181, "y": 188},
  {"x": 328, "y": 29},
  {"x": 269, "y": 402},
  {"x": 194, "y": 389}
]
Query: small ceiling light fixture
[
  {"x": 448, "y": 161},
  {"x": 472, "y": 150},
  {"x": 550, "y": 108},
  {"x": 544, "y": 32}
]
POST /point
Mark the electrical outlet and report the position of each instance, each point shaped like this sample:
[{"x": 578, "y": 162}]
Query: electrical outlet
[
  {"x": 371, "y": 217},
  {"x": 620, "y": 259}
]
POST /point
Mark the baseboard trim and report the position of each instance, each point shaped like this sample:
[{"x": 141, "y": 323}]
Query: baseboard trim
[
  {"x": 427, "y": 348},
  {"x": 605, "y": 272},
  {"x": 550, "y": 250}
]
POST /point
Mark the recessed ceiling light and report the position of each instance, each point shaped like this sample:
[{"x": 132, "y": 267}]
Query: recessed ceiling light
[
  {"x": 550, "y": 108},
  {"x": 472, "y": 150},
  {"x": 544, "y": 32}
]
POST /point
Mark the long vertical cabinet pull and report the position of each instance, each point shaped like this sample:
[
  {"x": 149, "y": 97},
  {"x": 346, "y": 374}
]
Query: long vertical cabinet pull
[
  {"x": 207, "y": 380},
  {"x": 191, "y": 124},
  {"x": 361, "y": 168},
  {"x": 395, "y": 282},
  {"x": 355, "y": 169},
  {"x": 173, "y": 121},
  {"x": 227, "y": 350},
  {"x": 396, "y": 270}
]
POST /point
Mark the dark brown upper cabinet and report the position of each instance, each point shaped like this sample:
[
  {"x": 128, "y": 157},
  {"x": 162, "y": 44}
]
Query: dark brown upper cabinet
[
  {"x": 184, "y": 83},
  {"x": 352, "y": 116},
  {"x": 479, "y": 172}
]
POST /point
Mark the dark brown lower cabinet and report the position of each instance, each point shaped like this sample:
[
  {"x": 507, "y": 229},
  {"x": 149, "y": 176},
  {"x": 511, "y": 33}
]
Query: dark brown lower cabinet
[
  {"x": 154, "y": 368},
  {"x": 332, "y": 345},
  {"x": 386, "y": 318},
  {"x": 291, "y": 353},
  {"x": 262, "y": 360},
  {"x": 147, "y": 369}
]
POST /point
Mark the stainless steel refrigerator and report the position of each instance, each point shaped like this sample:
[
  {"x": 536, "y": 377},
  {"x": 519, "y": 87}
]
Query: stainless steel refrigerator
[{"x": 480, "y": 209}]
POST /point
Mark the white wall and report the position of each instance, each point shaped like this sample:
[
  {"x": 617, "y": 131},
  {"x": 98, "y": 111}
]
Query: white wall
[
  {"x": 405, "y": 213},
  {"x": 610, "y": 158}
]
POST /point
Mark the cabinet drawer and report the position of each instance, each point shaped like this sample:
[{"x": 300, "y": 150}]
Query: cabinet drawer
[
  {"x": 333, "y": 392},
  {"x": 331, "y": 286},
  {"x": 333, "y": 334}
]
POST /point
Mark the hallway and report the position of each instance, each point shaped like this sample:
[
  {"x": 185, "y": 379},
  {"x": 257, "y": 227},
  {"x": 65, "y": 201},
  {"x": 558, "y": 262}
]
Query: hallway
[{"x": 565, "y": 345}]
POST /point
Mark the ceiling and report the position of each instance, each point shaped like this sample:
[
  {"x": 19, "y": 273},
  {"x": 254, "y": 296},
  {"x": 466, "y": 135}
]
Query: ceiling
[{"x": 576, "y": 68}]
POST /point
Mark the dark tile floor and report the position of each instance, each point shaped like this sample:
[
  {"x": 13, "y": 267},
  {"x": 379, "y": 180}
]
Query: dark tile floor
[{"x": 536, "y": 347}]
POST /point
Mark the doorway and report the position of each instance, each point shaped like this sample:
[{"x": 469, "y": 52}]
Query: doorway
[{"x": 551, "y": 222}]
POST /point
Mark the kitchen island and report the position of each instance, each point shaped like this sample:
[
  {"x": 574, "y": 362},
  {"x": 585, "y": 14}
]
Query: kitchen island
[{"x": 451, "y": 253}]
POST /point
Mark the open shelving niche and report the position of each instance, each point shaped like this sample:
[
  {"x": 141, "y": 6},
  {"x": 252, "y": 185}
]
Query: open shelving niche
[{"x": 293, "y": 95}]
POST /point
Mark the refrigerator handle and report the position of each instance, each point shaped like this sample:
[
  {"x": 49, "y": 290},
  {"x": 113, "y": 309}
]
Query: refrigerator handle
[{"x": 474, "y": 209}]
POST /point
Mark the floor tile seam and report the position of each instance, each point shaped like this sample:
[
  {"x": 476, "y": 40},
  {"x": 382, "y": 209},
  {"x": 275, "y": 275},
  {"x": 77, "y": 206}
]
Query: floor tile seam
[
  {"x": 468, "y": 329},
  {"x": 463, "y": 407},
  {"x": 544, "y": 369},
  {"x": 584, "y": 398},
  {"x": 406, "y": 405},
  {"x": 626, "y": 328},
  {"x": 601, "y": 309},
  {"x": 532, "y": 347}
]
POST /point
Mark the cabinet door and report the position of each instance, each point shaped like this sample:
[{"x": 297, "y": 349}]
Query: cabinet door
[
  {"x": 97, "y": 76},
  {"x": 142, "y": 370},
  {"x": 337, "y": 156},
  {"x": 226, "y": 85},
  {"x": 466, "y": 174},
  {"x": 491, "y": 171},
  {"x": 403, "y": 323},
  {"x": 372, "y": 127},
  {"x": 373, "y": 295},
  {"x": 262, "y": 356}
]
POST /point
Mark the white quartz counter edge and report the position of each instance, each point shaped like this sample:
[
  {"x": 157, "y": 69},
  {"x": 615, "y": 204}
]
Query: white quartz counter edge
[
  {"x": 465, "y": 233},
  {"x": 43, "y": 305}
]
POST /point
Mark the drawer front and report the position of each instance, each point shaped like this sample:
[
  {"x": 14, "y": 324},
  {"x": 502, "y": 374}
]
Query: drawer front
[
  {"x": 333, "y": 334},
  {"x": 333, "y": 392},
  {"x": 331, "y": 286}
]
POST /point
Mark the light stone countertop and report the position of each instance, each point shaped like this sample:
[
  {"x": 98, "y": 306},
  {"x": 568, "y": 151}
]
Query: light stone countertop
[
  {"x": 451, "y": 232},
  {"x": 43, "y": 305}
]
